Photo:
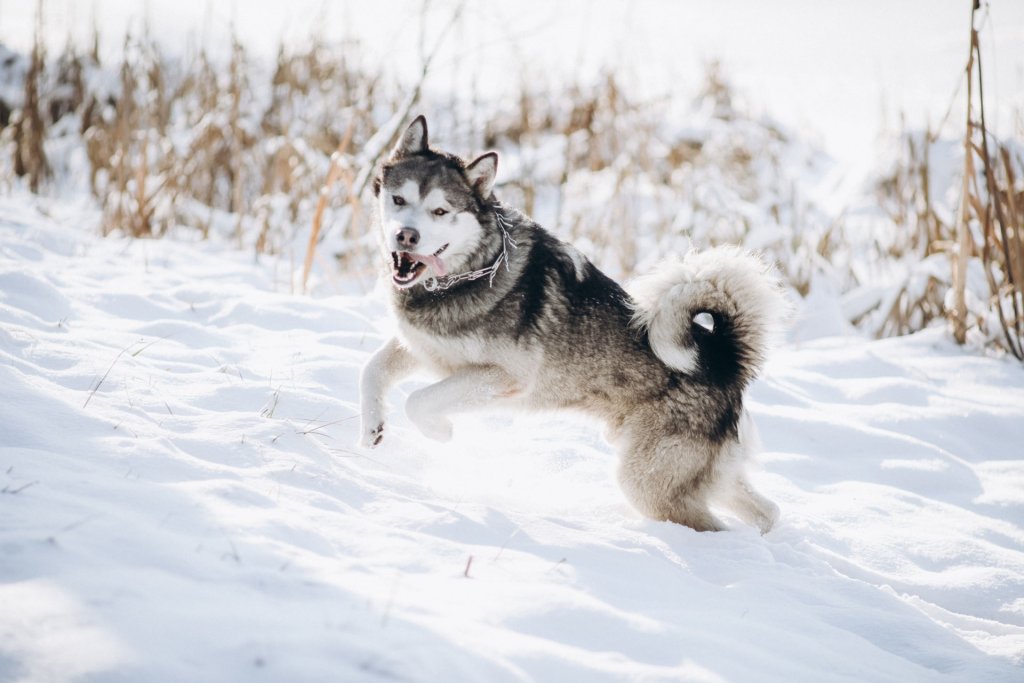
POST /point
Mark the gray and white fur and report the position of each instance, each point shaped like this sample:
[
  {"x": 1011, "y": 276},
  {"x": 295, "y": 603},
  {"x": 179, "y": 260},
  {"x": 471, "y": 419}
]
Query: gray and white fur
[{"x": 508, "y": 315}]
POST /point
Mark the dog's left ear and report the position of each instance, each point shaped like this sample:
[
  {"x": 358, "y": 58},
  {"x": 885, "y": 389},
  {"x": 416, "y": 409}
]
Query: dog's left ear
[
  {"x": 413, "y": 140},
  {"x": 482, "y": 172}
]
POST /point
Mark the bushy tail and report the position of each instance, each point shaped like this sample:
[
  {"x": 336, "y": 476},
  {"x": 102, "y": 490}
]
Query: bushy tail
[{"x": 711, "y": 313}]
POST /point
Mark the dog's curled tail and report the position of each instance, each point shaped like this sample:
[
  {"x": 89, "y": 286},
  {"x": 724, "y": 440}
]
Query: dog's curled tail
[{"x": 713, "y": 313}]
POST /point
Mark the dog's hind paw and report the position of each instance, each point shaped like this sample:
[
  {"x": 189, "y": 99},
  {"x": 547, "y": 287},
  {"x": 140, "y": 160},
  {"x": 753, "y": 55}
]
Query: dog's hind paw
[
  {"x": 431, "y": 423},
  {"x": 437, "y": 428},
  {"x": 372, "y": 437},
  {"x": 767, "y": 518}
]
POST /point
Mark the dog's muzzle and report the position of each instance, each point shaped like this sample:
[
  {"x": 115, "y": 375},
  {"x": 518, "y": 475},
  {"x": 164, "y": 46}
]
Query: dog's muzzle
[{"x": 408, "y": 266}]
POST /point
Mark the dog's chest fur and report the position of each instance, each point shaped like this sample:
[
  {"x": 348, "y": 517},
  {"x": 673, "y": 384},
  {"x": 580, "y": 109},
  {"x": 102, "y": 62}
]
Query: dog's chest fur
[{"x": 445, "y": 354}]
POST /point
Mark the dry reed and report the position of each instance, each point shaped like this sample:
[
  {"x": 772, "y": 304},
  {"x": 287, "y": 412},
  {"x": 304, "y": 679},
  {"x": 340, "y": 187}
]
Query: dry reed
[{"x": 279, "y": 157}]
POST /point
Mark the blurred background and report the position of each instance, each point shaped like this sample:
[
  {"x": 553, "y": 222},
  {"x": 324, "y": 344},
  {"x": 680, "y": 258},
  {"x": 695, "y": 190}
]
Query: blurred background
[{"x": 830, "y": 135}]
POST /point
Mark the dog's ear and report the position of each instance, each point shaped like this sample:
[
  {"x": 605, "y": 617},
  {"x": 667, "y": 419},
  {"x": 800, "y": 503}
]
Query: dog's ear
[
  {"x": 482, "y": 172},
  {"x": 413, "y": 140}
]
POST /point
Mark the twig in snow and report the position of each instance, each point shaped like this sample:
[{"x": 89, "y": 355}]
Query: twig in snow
[
  {"x": 73, "y": 526},
  {"x": 505, "y": 544},
  {"x": 469, "y": 563},
  {"x": 123, "y": 351},
  {"x": 558, "y": 564},
  {"x": 105, "y": 374},
  {"x": 16, "y": 491},
  {"x": 132, "y": 431},
  {"x": 327, "y": 424},
  {"x": 351, "y": 454},
  {"x": 268, "y": 412},
  {"x": 233, "y": 554}
]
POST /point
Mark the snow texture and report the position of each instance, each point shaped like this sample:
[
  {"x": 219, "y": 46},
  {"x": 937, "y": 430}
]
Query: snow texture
[{"x": 180, "y": 500}]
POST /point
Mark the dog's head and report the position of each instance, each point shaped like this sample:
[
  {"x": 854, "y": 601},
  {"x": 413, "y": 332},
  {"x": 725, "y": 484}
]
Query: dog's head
[{"x": 430, "y": 206}]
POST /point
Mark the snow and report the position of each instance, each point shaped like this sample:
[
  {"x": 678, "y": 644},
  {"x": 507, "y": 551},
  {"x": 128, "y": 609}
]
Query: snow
[
  {"x": 180, "y": 493},
  {"x": 181, "y": 499}
]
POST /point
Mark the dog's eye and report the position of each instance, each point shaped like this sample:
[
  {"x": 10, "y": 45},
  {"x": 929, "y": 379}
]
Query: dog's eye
[
  {"x": 439, "y": 212},
  {"x": 398, "y": 200}
]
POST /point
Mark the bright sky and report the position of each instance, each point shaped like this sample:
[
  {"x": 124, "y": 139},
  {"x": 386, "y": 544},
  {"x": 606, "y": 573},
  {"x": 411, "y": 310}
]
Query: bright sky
[{"x": 837, "y": 70}]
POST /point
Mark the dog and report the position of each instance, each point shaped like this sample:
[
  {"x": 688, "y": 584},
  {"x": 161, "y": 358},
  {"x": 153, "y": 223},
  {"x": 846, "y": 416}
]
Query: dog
[{"x": 508, "y": 315}]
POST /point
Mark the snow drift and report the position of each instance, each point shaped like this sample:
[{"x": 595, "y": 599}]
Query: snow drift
[{"x": 180, "y": 500}]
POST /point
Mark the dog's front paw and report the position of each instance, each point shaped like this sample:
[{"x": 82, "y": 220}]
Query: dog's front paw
[{"x": 372, "y": 436}]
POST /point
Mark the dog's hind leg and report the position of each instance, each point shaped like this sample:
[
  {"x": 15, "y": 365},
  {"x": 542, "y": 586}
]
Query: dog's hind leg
[
  {"x": 734, "y": 489},
  {"x": 749, "y": 505},
  {"x": 693, "y": 513},
  {"x": 391, "y": 363},
  {"x": 666, "y": 481},
  {"x": 467, "y": 389}
]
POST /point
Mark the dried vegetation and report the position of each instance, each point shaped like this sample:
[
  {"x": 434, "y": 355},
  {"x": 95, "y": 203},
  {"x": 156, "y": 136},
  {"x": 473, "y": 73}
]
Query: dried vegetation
[
  {"x": 971, "y": 259},
  {"x": 277, "y": 157}
]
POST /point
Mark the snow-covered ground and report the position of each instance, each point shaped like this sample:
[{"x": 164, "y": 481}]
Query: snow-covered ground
[{"x": 181, "y": 500}]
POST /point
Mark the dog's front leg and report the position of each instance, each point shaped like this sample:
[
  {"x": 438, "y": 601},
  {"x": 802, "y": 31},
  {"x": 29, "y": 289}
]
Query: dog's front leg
[
  {"x": 467, "y": 389},
  {"x": 391, "y": 363}
]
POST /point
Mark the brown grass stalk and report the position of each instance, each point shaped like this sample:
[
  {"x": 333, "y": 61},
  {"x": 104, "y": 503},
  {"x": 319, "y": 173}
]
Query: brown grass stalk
[
  {"x": 333, "y": 173},
  {"x": 988, "y": 198},
  {"x": 30, "y": 130}
]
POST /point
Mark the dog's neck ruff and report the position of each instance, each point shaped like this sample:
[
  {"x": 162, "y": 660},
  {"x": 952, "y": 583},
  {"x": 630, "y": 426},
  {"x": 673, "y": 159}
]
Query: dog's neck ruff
[{"x": 434, "y": 284}]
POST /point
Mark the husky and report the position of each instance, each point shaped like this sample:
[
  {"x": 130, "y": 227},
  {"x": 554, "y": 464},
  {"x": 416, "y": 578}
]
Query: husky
[{"x": 508, "y": 315}]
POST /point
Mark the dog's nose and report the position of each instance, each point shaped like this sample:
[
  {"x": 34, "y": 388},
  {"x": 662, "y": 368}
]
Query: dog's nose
[{"x": 407, "y": 237}]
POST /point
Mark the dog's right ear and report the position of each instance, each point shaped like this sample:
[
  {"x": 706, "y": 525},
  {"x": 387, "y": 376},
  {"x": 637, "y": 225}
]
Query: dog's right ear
[{"x": 413, "y": 140}]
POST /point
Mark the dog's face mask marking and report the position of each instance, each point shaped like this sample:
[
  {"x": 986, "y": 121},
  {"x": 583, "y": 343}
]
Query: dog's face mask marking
[
  {"x": 428, "y": 206},
  {"x": 428, "y": 230}
]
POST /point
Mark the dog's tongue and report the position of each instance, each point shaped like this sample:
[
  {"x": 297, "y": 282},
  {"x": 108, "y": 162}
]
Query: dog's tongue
[{"x": 431, "y": 260}]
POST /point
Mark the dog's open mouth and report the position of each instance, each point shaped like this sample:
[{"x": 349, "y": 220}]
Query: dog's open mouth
[{"x": 407, "y": 267}]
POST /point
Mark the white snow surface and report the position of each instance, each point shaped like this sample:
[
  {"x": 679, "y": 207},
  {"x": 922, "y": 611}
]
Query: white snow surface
[{"x": 181, "y": 500}]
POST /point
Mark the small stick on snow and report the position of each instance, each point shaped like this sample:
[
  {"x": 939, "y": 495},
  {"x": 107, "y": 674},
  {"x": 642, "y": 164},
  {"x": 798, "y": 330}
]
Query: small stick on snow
[
  {"x": 99, "y": 383},
  {"x": 469, "y": 563},
  {"x": 558, "y": 564},
  {"x": 14, "y": 492},
  {"x": 133, "y": 354},
  {"x": 505, "y": 544}
]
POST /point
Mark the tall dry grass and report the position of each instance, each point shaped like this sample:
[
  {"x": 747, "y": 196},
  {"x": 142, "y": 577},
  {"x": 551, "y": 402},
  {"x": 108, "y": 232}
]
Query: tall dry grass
[
  {"x": 263, "y": 155},
  {"x": 28, "y": 127},
  {"x": 980, "y": 240},
  {"x": 991, "y": 203},
  {"x": 277, "y": 158}
]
